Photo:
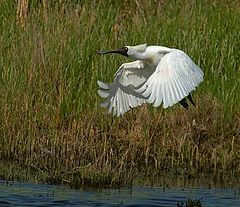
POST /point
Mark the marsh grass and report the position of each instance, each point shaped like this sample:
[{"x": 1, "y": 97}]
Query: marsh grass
[{"x": 51, "y": 125}]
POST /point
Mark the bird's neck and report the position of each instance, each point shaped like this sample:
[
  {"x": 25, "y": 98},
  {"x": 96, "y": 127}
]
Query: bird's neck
[
  {"x": 152, "y": 56},
  {"x": 139, "y": 56},
  {"x": 151, "y": 59}
]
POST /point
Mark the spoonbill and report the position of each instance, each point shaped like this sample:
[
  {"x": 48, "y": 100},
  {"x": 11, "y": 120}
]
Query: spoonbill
[{"x": 157, "y": 75}]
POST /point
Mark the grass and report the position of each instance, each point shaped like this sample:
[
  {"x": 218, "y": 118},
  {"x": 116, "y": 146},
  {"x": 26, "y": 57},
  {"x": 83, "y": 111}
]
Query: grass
[
  {"x": 191, "y": 203},
  {"x": 51, "y": 127}
]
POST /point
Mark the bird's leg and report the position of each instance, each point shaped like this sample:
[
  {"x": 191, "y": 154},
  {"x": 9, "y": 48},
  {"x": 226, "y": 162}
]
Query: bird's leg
[
  {"x": 184, "y": 103},
  {"x": 191, "y": 100}
]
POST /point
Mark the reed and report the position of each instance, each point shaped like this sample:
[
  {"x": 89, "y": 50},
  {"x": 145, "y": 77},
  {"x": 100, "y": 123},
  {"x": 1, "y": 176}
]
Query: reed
[{"x": 50, "y": 124}]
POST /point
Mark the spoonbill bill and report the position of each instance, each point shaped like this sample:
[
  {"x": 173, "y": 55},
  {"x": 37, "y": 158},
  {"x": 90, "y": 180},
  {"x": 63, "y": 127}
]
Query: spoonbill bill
[{"x": 158, "y": 75}]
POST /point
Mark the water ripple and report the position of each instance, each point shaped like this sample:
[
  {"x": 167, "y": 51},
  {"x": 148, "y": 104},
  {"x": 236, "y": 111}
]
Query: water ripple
[{"x": 29, "y": 194}]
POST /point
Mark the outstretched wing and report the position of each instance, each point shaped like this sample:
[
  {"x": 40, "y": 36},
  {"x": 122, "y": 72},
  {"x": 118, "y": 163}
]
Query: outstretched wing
[
  {"x": 121, "y": 95},
  {"x": 175, "y": 77}
]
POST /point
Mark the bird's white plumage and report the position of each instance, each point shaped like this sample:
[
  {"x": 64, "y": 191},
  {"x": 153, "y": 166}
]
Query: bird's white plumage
[
  {"x": 175, "y": 77},
  {"x": 121, "y": 95},
  {"x": 159, "y": 75}
]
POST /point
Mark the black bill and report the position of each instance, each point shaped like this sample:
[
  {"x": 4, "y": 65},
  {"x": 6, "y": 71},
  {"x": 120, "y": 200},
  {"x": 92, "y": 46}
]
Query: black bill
[{"x": 122, "y": 51}]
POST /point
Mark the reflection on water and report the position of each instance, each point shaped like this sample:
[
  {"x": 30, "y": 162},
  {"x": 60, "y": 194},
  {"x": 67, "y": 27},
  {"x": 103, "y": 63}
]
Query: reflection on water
[{"x": 28, "y": 194}]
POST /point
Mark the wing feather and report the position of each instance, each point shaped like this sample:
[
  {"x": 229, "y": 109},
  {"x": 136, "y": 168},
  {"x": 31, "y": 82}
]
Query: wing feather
[
  {"x": 174, "y": 78},
  {"x": 176, "y": 90},
  {"x": 103, "y": 94},
  {"x": 121, "y": 95},
  {"x": 157, "y": 100},
  {"x": 103, "y": 85},
  {"x": 172, "y": 92}
]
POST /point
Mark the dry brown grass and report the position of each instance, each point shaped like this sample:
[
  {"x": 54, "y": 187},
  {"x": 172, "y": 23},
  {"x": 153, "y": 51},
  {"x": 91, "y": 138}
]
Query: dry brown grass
[{"x": 98, "y": 150}]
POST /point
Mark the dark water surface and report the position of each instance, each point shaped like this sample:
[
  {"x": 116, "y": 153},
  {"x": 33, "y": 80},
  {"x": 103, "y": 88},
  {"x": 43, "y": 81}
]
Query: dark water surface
[{"x": 29, "y": 194}]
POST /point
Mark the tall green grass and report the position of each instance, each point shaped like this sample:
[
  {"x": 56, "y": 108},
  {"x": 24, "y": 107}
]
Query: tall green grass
[{"x": 49, "y": 108}]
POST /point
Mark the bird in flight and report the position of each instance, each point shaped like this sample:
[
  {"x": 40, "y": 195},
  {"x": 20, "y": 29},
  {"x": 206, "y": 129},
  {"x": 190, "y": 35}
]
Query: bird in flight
[{"x": 158, "y": 75}]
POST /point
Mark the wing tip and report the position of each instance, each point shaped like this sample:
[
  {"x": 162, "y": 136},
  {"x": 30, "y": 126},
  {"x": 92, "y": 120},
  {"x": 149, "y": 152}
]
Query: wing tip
[
  {"x": 103, "y": 85},
  {"x": 103, "y": 94}
]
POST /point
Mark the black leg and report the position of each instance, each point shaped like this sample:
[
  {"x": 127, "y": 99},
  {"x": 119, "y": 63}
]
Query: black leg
[
  {"x": 184, "y": 103},
  {"x": 191, "y": 100}
]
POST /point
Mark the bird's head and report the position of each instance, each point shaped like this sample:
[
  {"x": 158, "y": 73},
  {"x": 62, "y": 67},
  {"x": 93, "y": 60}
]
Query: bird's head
[{"x": 128, "y": 51}]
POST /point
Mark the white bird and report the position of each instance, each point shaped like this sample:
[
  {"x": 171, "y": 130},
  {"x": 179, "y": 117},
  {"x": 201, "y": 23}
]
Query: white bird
[{"x": 158, "y": 75}]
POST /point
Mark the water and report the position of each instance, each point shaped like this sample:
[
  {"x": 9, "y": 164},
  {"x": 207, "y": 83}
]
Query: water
[{"x": 29, "y": 194}]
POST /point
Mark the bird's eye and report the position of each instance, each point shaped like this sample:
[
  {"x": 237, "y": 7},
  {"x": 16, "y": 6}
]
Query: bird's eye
[{"x": 126, "y": 49}]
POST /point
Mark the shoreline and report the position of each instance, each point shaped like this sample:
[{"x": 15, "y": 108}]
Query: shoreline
[{"x": 164, "y": 181}]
